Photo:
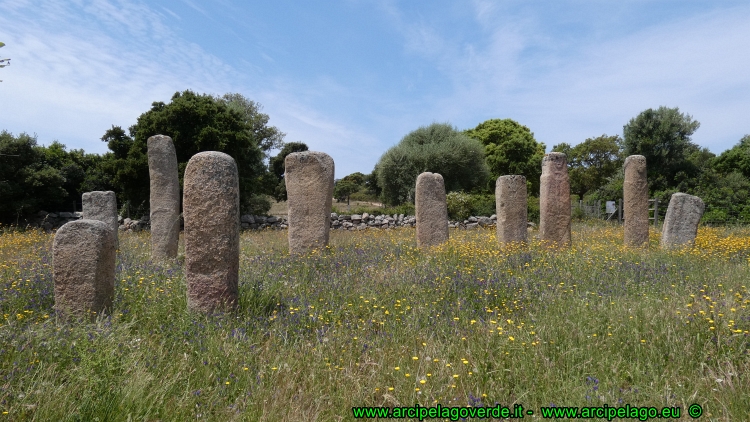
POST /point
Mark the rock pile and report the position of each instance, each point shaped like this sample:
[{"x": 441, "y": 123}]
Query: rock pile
[{"x": 53, "y": 220}]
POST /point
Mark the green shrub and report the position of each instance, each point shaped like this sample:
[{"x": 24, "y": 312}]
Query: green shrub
[
  {"x": 533, "y": 209},
  {"x": 257, "y": 205},
  {"x": 459, "y": 205}
]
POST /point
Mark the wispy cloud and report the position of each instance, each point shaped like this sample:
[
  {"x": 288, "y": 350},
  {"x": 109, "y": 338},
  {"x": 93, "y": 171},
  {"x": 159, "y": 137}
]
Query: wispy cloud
[
  {"x": 76, "y": 76},
  {"x": 567, "y": 92}
]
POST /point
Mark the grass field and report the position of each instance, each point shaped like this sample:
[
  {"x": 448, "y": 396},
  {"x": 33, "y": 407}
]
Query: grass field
[{"x": 373, "y": 321}]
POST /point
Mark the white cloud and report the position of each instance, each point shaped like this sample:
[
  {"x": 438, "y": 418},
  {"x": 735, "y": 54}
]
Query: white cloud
[
  {"x": 79, "y": 68},
  {"x": 566, "y": 93}
]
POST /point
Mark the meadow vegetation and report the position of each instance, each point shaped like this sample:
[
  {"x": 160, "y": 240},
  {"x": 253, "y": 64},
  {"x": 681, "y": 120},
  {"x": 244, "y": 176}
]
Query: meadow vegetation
[{"x": 373, "y": 321}]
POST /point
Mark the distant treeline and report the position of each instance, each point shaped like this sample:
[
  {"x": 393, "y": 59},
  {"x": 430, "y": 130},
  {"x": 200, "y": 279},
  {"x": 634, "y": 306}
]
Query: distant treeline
[{"x": 52, "y": 178}]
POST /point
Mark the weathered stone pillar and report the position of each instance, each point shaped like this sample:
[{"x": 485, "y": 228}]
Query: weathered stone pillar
[
  {"x": 511, "y": 206},
  {"x": 211, "y": 208},
  {"x": 101, "y": 206},
  {"x": 681, "y": 222},
  {"x": 165, "y": 197},
  {"x": 83, "y": 269},
  {"x": 635, "y": 192},
  {"x": 309, "y": 188},
  {"x": 554, "y": 200},
  {"x": 431, "y": 209}
]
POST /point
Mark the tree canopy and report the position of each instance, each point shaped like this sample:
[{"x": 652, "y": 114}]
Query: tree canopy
[
  {"x": 592, "y": 162},
  {"x": 663, "y": 137},
  {"x": 510, "y": 148},
  {"x": 348, "y": 185},
  {"x": 35, "y": 177},
  {"x": 195, "y": 123},
  {"x": 736, "y": 158},
  {"x": 437, "y": 148}
]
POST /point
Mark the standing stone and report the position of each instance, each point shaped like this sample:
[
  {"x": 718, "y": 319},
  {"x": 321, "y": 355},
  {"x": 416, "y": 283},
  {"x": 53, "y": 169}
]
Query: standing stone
[
  {"x": 83, "y": 269},
  {"x": 211, "y": 208},
  {"x": 165, "y": 197},
  {"x": 512, "y": 209},
  {"x": 309, "y": 187},
  {"x": 554, "y": 201},
  {"x": 101, "y": 206},
  {"x": 431, "y": 209},
  {"x": 681, "y": 222},
  {"x": 635, "y": 191}
]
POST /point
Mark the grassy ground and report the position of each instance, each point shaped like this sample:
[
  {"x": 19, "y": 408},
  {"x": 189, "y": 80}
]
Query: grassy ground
[{"x": 373, "y": 321}]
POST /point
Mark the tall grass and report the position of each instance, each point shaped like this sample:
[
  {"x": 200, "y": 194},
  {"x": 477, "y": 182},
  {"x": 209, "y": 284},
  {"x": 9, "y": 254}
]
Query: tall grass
[{"x": 373, "y": 321}]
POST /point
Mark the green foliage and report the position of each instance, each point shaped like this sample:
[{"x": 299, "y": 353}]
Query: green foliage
[
  {"x": 348, "y": 186},
  {"x": 463, "y": 205},
  {"x": 533, "y": 209},
  {"x": 258, "y": 205},
  {"x": 196, "y": 123},
  {"x": 727, "y": 197},
  {"x": 459, "y": 205},
  {"x": 34, "y": 177},
  {"x": 592, "y": 162},
  {"x": 371, "y": 183},
  {"x": 4, "y": 62},
  {"x": 663, "y": 137},
  {"x": 266, "y": 137},
  {"x": 438, "y": 148},
  {"x": 510, "y": 148},
  {"x": 735, "y": 159},
  {"x": 343, "y": 189},
  {"x": 276, "y": 167}
]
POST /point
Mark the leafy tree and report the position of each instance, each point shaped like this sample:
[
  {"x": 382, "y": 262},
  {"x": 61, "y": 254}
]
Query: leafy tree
[
  {"x": 592, "y": 162},
  {"x": 510, "y": 148},
  {"x": 350, "y": 184},
  {"x": 195, "y": 123},
  {"x": 266, "y": 137},
  {"x": 27, "y": 182},
  {"x": 371, "y": 183},
  {"x": 663, "y": 137},
  {"x": 4, "y": 62},
  {"x": 735, "y": 159},
  {"x": 437, "y": 148},
  {"x": 276, "y": 166},
  {"x": 344, "y": 188}
]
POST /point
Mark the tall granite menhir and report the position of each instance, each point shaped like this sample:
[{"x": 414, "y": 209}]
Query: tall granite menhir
[
  {"x": 309, "y": 188},
  {"x": 512, "y": 209},
  {"x": 635, "y": 192},
  {"x": 211, "y": 208},
  {"x": 101, "y": 206},
  {"x": 431, "y": 210},
  {"x": 83, "y": 269},
  {"x": 165, "y": 197},
  {"x": 681, "y": 221},
  {"x": 554, "y": 201}
]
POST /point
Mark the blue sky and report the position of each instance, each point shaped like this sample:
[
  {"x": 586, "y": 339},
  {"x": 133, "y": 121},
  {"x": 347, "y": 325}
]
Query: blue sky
[{"x": 351, "y": 78}]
